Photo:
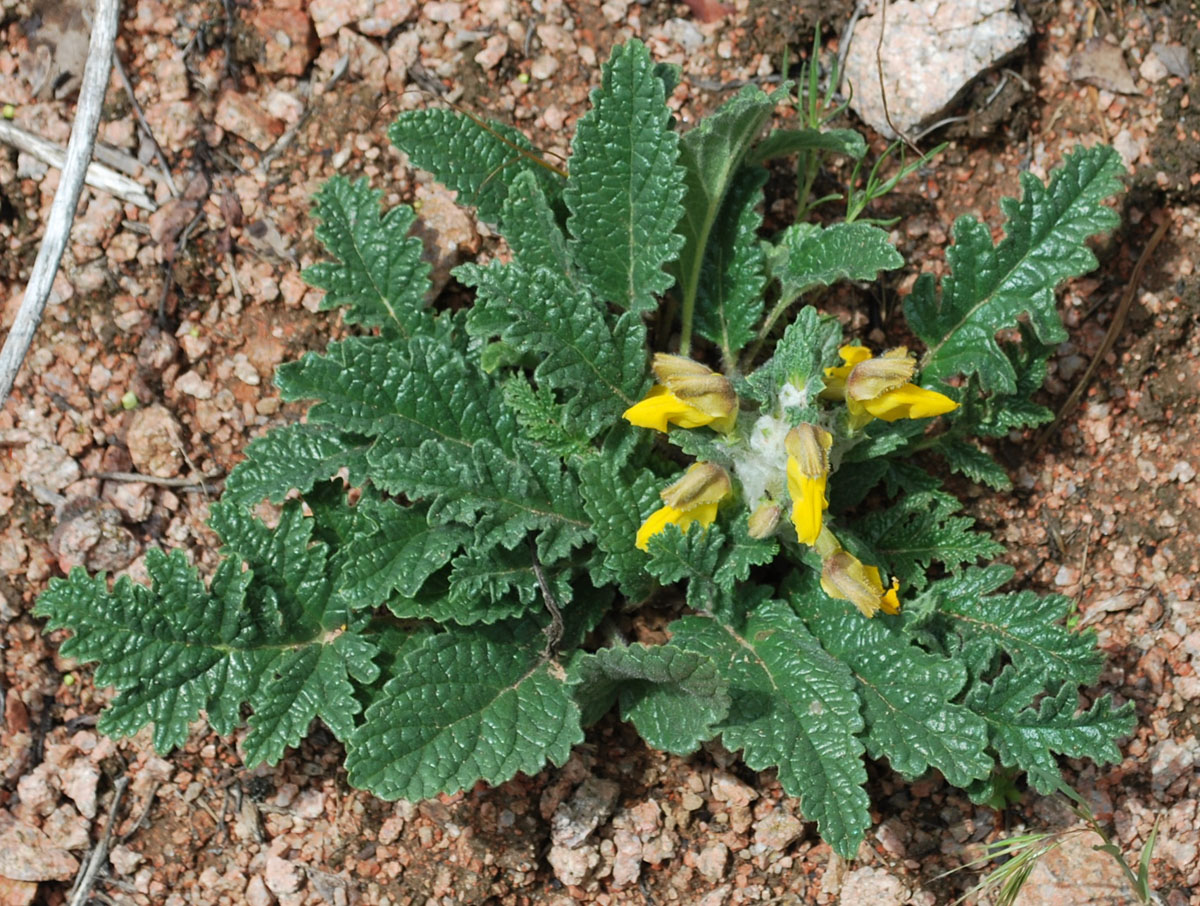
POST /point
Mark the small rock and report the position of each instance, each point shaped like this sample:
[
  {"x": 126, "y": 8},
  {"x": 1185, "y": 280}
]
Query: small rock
[
  {"x": 330, "y": 15},
  {"x": 79, "y": 782},
  {"x": 385, "y": 16},
  {"x": 448, "y": 12},
  {"x": 493, "y": 52},
  {"x": 931, "y": 51},
  {"x": 309, "y": 804},
  {"x": 154, "y": 442},
  {"x": 67, "y": 829},
  {"x": 1074, "y": 872},
  {"x": 244, "y": 371},
  {"x": 135, "y": 499},
  {"x": 627, "y": 863},
  {"x": 592, "y": 804},
  {"x": 1175, "y": 58},
  {"x": 242, "y": 116},
  {"x": 156, "y": 350},
  {"x": 257, "y": 893},
  {"x": 90, "y": 534},
  {"x": 35, "y": 792},
  {"x": 26, "y": 854},
  {"x": 1169, "y": 762},
  {"x": 572, "y": 865},
  {"x": 447, "y": 231},
  {"x": 728, "y": 789},
  {"x": 1153, "y": 69},
  {"x": 282, "y": 876},
  {"x": 124, "y": 859},
  {"x": 47, "y": 466},
  {"x": 871, "y": 887},
  {"x": 193, "y": 385},
  {"x": 712, "y": 861},
  {"x": 717, "y": 897},
  {"x": 1102, "y": 63},
  {"x": 17, "y": 893},
  {"x": 289, "y": 43},
  {"x": 777, "y": 830},
  {"x": 543, "y": 67}
]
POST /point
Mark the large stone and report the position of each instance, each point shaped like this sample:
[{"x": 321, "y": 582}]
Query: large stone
[
  {"x": 1073, "y": 873},
  {"x": 931, "y": 52},
  {"x": 154, "y": 441}
]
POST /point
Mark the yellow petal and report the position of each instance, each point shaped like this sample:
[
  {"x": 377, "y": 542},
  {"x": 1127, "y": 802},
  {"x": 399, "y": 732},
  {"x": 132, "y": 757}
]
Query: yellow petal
[
  {"x": 705, "y": 514},
  {"x": 909, "y": 401},
  {"x": 852, "y": 355},
  {"x": 876, "y": 376},
  {"x": 808, "y": 501},
  {"x": 835, "y": 378},
  {"x": 662, "y": 408},
  {"x": 846, "y": 578},
  {"x": 703, "y": 482}
]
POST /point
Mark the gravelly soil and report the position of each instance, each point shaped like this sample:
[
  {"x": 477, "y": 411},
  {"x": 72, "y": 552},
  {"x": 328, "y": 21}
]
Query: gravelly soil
[{"x": 254, "y": 106}]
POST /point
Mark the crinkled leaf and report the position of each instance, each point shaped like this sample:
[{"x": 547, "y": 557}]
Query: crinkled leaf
[
  {"x": 1028, "y": 736},
  {"x": 907, "y": 693},
  {"x": 793, "y": 706},
  {"x": 380, "y": 275},
  {"x": 919, "y": 529},
  {"x": 729, "y": 297},
  {"x": 543, "y": 418},
  {"x": 395, "y": 552},
  {"x": 478, "y": 159},
  {"x": 807, "y": 347},
  {"x": 294, "y": 457},
  {"x": 467, "y": 705},
  {"x": 531, "y": 228},
  {"x": 600, "y": 368},
  {"x": 807, "y": 256},
  {"x": 617, "y": 499},
  {"x": 674, "y": 697},
  {"x": 990, "y": 287},
  {"x": 1023, "y": 624},
  {"x": 625, "y": 187},
  {"x": 978, "y": 465}
]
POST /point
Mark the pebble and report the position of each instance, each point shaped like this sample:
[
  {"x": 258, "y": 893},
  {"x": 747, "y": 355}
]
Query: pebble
[
  {"x": 777, "y": 830},
  {"x": 124, "y": 859},
  {"x": 289, "y": 41},
  {"x": 282, "y": 875},
  {"x": 193, "y": 385},
  {"x": 257, "y": 893},
  {"x": 329, "y": 16},
  {"x": 47, "y": 466},
  {"x": 931, "y": 51},
  {"x": 712, "y": 860},
  {"x": 543, "y": 67},
  {"x": 871, "y": 887},
  {"x": 26, "y": 854},
  {"x": 385, "y": 16},
  {"x": 591, "y": 804},
  {"x": 154, "y": 442},
  {"x": 245, "y": 118},
  {"x": 90, "y": 534},
  {"x": 1170, "y": 761},
  {"x": 79, "y": 783},
  {"x": 447, "y": 12},
  {"x": 493, "y": 52}
]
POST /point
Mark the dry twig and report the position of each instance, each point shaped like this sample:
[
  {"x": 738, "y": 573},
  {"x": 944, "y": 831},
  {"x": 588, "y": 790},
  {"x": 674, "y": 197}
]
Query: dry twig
[
  {"x": 62, "y": 210},
  {"x": 82, "y": 890}
]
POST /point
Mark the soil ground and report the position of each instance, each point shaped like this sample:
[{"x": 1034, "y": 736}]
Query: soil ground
[{"x": 187, "y": 312}]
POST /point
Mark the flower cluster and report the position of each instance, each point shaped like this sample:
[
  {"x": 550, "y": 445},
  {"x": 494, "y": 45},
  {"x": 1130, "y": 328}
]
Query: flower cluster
[{"x": 775, "y": 460}]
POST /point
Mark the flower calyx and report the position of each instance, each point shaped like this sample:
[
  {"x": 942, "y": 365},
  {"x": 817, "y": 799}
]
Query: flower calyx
[
  {"x": 807, "y": 476},
  {"x": 687, "y": 394},
  {"x": 693, "y": 498},
  {"x": 845, "y": 577},
  {"x": 880, "y": 387}
]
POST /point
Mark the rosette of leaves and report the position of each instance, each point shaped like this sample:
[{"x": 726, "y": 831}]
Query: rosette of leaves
[{"x": 453, "y": 549}]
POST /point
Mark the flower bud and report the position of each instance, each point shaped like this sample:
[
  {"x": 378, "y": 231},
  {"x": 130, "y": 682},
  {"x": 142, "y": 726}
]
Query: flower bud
[
  {"x": 698, "y": 386},
  {"x": 846, "y": 578},
  {"x": 764, "y": 519},
  {"x": 703, "y": 482},
  {"x": 875, "y": 377},
  {"x": 809, "y": 446}
]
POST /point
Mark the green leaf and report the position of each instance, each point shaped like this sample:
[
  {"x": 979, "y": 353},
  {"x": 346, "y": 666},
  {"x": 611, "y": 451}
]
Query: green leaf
[
  {"x": 907, "y": 537},
  {"x": 711, "y": 154},
  {"x": 543, "y": 419},
  {"x": 531, "y": 228},
  {"x": 793, "y": 706},
  {"x": 807, "y": 346},
  {"x": 808, "y": 256},
  {"x": 380, "y": 276},
  {"x": 908, "y": 694},
  {"x": 782, "y": 142},
  {"x": 478, "y": 159},
  {"x": 305, "y": 683},
  {"x": 1027, "y": 736},
  {"x": 439, "y": 602},
  {"x": 467, "y": 705},
  {"x": 996, "y": 414},
  {"x": 674, "y": 697},
  {"x": 624, "y": 189},
  {"x": 483, "y": 584},
  {"x": 396, "y": 553},
  {"x": 990, "y": 287},
  {"x": 600, "y": 368},
  {"x": 1023, "y": 624},
  {"x": 978, "y": 465},
  {"x": 617, "y": 499},
  {"x": 695, "y": 556},
  {"x": 729, "y": 299},
  {"x": 294, "y": 457}
]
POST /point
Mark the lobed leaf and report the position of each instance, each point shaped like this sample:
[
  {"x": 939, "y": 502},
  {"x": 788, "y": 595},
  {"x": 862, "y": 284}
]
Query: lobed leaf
[
  {"x": 625, "y": 186},
  {"x": 294, "y": 457},
  {"x": 807, "y": 256},
  {"x": 990, "y": 287}
]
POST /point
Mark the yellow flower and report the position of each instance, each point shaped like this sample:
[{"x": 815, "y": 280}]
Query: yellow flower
[
  {"x": 879, "y": 387},
  {"x": 807, "y": 474},
  {"x": 846, "y": 578},
  {"x": 693, "y": 498},
  {"x": 688, "y": 395}
]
